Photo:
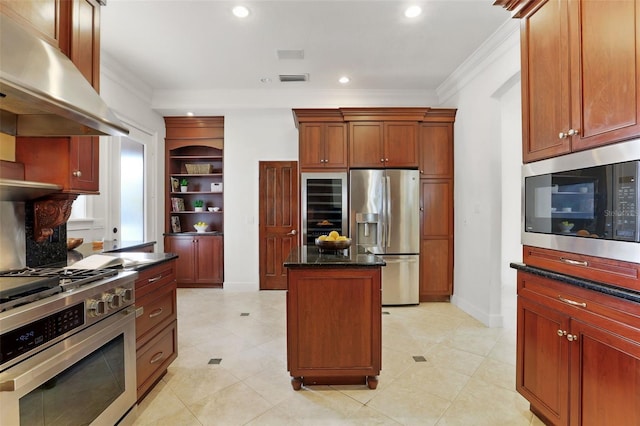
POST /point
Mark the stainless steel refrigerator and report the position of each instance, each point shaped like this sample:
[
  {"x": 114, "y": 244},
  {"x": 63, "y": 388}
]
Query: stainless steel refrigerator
[{"x": 385, "y": 220}]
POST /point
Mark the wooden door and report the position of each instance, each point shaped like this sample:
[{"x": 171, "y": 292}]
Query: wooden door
[
  {"x": 311, "y": 146},
  {"x": 401, "y": 144},
  {"x": 335, "y": 145},
  {"x": 208, "y": 259},
  {"x": 605, "y": 65},
  {"x": 436, "y": 150},
  {"x": 545, "y": 81},
  {"x": 279, "y": 220},
  {"x": 365, "y": 144},
  {"x": 605, "y": 376},
  {"x": 183, "y": 246},
  {"x": 84, "y": 154},
  {"x": 542, "y": 357}
]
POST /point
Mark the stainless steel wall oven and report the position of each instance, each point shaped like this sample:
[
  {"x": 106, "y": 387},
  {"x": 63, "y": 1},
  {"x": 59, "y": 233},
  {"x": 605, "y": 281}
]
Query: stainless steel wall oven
[
  {"x": 67, "y": 346},
  {"x": 585, "y": 202}
]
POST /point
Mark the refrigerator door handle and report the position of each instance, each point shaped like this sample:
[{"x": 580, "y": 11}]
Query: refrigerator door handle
[
  {"x": 388, "y": 211},
  {"x": 383, "y": 216}
]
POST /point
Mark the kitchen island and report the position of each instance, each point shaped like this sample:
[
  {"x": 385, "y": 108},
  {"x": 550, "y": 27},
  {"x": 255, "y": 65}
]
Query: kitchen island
[{"x": 334, "y": 310}]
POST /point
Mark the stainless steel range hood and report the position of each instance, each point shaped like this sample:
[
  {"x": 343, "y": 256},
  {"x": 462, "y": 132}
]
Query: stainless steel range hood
[{"x": 42, "y": 93}]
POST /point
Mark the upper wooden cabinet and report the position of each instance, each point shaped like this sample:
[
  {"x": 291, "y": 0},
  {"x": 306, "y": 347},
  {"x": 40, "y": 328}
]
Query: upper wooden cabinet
[
  {"x": 435, "y": 143},
  {"x": 76, "y": 165},
  {"x": 77, "y": 22},
  {"x": 323, "y": 145},
  {"x": 383, "y": 144},
  {"x": 580, "y": 74}
]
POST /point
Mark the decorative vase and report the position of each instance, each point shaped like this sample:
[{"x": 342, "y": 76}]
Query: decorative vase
[
  {"x": 183, "y": 189},
  {"x": 198, "y": 209}
]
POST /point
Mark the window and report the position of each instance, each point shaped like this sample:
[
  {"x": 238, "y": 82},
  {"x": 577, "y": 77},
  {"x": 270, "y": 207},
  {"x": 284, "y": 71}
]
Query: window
[{"x": 132, "y": 173}]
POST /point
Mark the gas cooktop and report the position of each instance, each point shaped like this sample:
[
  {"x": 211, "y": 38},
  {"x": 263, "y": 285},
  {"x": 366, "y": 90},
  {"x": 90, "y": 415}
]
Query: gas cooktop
[{"x": 22, "y": 286}]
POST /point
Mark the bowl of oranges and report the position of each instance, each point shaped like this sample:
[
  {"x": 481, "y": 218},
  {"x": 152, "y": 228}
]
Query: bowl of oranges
[{"x": 334, "y": 241}]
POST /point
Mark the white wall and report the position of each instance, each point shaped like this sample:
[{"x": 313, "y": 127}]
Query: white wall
[
  {"x": 250, "y": 136},
  {"x": 259, "y": 126},
  {"x": 482, "y": 89}
]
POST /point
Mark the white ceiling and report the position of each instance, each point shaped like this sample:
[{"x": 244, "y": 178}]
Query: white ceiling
[{"x": 183, "y": 45}]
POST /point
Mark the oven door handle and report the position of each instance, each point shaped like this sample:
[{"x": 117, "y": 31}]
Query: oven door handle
[{"x": 46, "y": 364}]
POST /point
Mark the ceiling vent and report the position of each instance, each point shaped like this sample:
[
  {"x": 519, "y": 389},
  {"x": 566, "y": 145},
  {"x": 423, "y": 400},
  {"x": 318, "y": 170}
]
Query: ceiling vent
[
  {"x": 288, "y": 78},
  {"x": 290, "y": 54}
]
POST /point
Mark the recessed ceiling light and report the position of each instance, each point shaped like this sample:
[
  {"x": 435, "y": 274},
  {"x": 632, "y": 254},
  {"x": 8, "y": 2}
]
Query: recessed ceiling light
[
  {"x": 344, "y": 79},
  {"x": 265, "y": 80},
  {"x": 190, "y": 114},
  {"x": 240, "y": 11},
  {"x": 412, "y": 11}
]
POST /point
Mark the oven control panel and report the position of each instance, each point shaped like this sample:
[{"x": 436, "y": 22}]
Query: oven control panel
[{"x": 23, "y": 339}]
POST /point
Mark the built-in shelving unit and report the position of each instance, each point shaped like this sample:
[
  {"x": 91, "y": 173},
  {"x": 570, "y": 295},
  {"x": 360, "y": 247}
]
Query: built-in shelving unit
[{"x": 194, "y": 152}]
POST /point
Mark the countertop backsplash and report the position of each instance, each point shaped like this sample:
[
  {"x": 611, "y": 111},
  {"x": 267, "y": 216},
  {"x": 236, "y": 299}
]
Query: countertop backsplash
[{"x": 12, "y": 235}]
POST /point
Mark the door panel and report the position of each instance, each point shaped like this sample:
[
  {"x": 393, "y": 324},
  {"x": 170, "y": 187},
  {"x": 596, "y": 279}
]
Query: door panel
[
  {"x": 279, "y": 220},
  {"x": 400, "y": 280},
  {"x": 403, "y": 212}
]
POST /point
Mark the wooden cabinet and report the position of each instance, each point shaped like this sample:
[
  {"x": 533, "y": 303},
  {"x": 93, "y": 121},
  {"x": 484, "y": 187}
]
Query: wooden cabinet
[
  {"x": 334, "y": 325},
  {"x": 578, "y": 353},
  {"x": 200, "y": 259},
  {"x": 323, "y": 146},
  {"x": 375, "y": 144},
  {"x": 156, "y": 326},
  {"x": 580, "y": 74},
  {"x": 608, "y": 271},
  {"x": 435, "y": 141},
  {"x": 194, "y": 153},
  {"x": 76, "y": 165}
]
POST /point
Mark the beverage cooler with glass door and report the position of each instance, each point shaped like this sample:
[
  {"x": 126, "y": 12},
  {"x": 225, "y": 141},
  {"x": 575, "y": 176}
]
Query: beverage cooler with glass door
[{"x": 324, "y": 205}]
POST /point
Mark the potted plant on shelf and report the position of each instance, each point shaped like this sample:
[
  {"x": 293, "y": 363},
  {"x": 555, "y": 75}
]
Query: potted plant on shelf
[
  {"x": 198, "y": 205},
  {"x": 183, "y": 185}
]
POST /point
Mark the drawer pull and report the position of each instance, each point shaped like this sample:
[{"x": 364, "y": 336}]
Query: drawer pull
[
  {"x": 157, "y": 357},
  {"x": 572, "y": 302},
  {"x": 574, "y": 262},
  {"x": 155, "y": 313},
  {"x": 154, "y": 279}
]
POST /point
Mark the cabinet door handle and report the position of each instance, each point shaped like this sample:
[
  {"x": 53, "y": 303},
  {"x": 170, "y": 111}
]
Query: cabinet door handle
[
  {"x": 154, "y": 279},
  {"x": 77, "y": 173},
  {"x": 155, "y": 313},
  {"x": 573, "y": 132},
  {"x": 572, "y": 337},
  {"x": 561, "y": 333},
  {"x": 572, "y": 302},
  {"x": 382, "y": 160},
  {"x": 157, "y": 357},
  {"x": 574, "y": 262}
]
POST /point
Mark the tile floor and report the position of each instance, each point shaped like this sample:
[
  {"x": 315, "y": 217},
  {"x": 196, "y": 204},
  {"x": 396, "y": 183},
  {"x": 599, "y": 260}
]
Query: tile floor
[{"x": 467, "y": 379}]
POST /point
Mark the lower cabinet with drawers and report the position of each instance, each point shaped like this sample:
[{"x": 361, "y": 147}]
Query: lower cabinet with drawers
[
  {"x": 578, "y": 349},
  {"x": 156, "y": 323}
]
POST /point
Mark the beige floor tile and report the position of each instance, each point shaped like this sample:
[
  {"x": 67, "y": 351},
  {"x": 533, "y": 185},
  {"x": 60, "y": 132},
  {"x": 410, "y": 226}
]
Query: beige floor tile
[
  {"x": 235, "y": 405},
  {"x": 484, "y": 404},
  {"x": 450, "y": 358},
  {"x": 467, "y": 379}
]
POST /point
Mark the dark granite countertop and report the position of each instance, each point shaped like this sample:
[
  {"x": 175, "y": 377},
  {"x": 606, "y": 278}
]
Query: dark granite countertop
[
  {"x": 211, "y": 233},
  {"x": 580, "y": 282},
  {"x": 87, "y": 249},
  {"x": 310, "y": 257},
  {"x": 138, "y": 260}
]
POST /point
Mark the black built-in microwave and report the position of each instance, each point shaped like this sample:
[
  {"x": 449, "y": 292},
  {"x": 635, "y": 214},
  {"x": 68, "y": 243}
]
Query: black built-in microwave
[{"x": 594, "y": 202}]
